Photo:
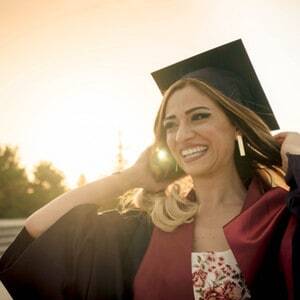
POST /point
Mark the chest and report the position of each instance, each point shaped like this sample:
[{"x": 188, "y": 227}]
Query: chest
[{"x": 208, "y": 234}]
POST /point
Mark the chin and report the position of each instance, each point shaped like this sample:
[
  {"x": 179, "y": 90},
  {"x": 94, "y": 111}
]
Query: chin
[{"x": 196, "y": 171}]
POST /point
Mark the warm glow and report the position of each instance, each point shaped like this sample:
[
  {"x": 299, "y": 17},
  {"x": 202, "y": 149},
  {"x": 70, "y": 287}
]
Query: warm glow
[
  {"x": 162, "y": 155},
  {"x": 75, "y": 73}
]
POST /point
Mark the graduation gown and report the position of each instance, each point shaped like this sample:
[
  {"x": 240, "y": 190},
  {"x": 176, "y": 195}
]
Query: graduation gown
[{"x": 85, "y": 255}]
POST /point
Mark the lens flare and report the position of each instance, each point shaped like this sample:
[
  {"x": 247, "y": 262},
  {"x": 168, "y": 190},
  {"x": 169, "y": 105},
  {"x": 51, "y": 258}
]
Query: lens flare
[{"x": 162, "y": 155}]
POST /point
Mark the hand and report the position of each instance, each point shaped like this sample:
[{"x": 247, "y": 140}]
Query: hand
[
  {"x": 143, "y": 176},
  {"x": 290, "y": 143}
]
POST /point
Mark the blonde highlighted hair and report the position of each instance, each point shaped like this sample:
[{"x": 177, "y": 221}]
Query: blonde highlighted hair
[{"x": 172, "y": 208}]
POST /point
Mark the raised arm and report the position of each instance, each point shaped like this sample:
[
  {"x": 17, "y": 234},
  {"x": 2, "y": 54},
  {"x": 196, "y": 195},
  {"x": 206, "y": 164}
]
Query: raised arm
[{"x": 99, "y": 192}]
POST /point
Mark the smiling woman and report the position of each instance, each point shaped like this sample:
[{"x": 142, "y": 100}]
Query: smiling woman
[
  {"x": 232, "y": 236},
  {"x": 200, "y": 128}
]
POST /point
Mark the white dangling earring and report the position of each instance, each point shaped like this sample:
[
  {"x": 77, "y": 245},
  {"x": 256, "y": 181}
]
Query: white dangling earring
[{"x": 241, "y": 145}]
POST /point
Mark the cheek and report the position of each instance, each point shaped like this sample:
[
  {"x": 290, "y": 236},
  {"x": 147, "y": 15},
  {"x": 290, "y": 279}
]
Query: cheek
[
  {"x": 221, "y": 137},
  {"x": 170, "y": 141},
  {"x": 226, "y": 143}
]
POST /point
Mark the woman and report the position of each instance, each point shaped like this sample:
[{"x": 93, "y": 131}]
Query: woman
[{"x": 229, "y": 238}]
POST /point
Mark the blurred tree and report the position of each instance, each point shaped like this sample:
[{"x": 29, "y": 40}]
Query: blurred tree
[
  {"x": 48, "y": 183},
  {"x": 13, "y": 184},
  {"x": 18, "y": 196}
]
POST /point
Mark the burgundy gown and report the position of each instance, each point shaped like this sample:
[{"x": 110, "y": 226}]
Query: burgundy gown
[{"x": 85, "y": 255}]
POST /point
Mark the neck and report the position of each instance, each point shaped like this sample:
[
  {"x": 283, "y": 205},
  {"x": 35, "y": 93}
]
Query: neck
[{"x": 220, "y": 189}]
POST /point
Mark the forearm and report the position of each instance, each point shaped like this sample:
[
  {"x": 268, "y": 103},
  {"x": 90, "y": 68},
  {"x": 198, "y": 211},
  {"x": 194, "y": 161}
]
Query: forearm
[{"x": 99, "y": 192}]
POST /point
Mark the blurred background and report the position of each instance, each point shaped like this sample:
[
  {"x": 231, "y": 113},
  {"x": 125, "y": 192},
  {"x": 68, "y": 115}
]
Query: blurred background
[
  {"x": 76, "y": 96},
  {"x": 77, "y": 100}
]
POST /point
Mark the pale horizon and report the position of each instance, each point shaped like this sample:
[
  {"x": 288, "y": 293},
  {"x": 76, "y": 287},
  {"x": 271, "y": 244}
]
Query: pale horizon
[{"x": 75, "y": 73}]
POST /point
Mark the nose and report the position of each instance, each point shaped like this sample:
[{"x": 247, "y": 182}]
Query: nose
[{"x": 184, "y": 133}]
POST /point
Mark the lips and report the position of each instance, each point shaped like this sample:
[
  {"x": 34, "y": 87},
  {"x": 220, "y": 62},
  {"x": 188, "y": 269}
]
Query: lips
[{"x": 192, "y": 153}]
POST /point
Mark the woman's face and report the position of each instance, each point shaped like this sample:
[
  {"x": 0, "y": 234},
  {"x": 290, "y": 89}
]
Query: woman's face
[{"x": 198, "y": 133}]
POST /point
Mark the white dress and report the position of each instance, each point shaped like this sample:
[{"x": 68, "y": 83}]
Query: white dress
[{"x": 216, "y": 276}]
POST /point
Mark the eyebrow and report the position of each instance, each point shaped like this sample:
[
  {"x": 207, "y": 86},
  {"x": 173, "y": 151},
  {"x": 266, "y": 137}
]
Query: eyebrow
[{"x": 187, "y": 112}]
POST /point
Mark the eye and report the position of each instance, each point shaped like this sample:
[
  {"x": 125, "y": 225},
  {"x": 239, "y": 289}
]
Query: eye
[
  {"x": 169, "y": 125},
  {"x": 199, "y": 116}
]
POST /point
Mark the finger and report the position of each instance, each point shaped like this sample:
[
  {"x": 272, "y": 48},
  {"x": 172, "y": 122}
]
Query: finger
[
  {"x": 284, "y": 134},
  {"x": 280, "y": 137},
  {"x": 279, "y": 140}
]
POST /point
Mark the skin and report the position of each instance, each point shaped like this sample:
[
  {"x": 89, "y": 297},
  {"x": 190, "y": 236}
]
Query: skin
[
  {"x": 290, "y": 143},
  {"x": 218, "y": 188},
  {"x": 193, "y": 119}
]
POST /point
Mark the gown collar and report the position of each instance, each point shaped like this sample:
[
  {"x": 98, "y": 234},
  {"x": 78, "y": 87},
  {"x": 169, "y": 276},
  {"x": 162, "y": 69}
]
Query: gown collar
[{"x": 250, "y": 232}]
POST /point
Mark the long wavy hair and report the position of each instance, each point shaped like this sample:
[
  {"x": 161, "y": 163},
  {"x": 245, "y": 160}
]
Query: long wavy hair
[{"x": 170, "y": 209}]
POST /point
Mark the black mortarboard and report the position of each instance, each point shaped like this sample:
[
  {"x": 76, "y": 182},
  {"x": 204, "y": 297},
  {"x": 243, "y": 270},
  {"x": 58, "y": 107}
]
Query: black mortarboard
[{"x": 227, "y": 68}]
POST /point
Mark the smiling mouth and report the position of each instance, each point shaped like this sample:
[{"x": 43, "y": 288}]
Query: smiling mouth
[{"x": 193, "y": 153}]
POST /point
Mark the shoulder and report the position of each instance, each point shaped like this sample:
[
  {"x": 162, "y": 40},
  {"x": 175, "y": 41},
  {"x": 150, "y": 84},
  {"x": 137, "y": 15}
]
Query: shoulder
[
  {"x": 114, "y": 215},
  {"x": 275, "y": 197},
  {"x": 91, "y": 212},
  {"x": 126, "y": 233},
  {"x": 88, "y": 224},
  {"x": 126, "y": 223},
  {"x": 277, "y": 191}
]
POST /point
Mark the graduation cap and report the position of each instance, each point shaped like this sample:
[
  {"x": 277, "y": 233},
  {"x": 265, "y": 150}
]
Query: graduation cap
[{"x": 228, "y": 69}]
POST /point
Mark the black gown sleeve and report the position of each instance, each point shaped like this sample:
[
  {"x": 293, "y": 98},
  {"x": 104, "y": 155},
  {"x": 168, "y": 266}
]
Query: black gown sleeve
[
  {"x": 293, "y": 203},
  {"x": 43, "y": 268},
  {"x": 293, "y": 180},
  {"x": 84, "y": 255}
]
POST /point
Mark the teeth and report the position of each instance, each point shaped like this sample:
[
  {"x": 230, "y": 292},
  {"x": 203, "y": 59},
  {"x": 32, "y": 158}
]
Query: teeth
[{"x": 192, "y": 151}]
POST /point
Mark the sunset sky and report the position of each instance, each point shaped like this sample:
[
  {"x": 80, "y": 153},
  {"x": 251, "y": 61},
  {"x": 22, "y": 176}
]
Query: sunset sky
[{"x": 74, "y": 73}]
